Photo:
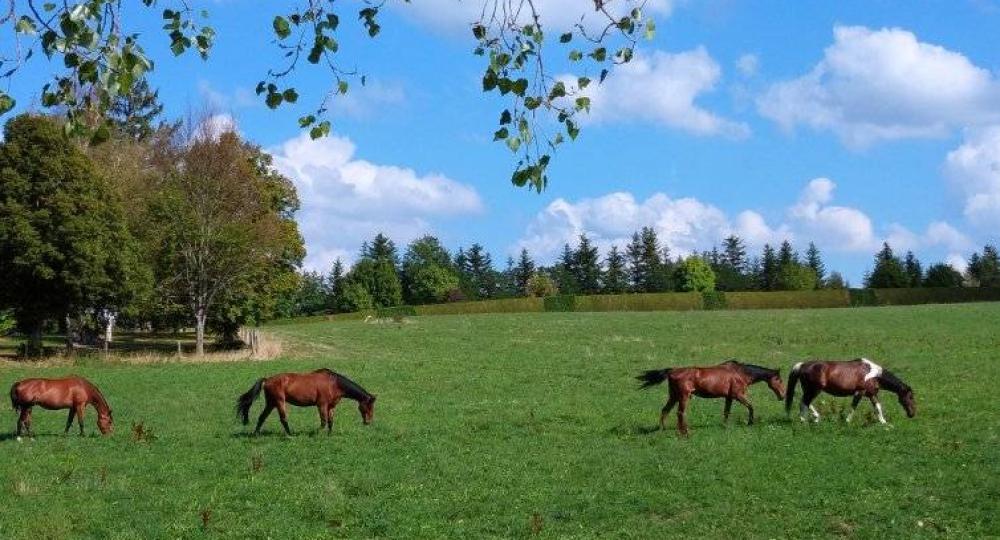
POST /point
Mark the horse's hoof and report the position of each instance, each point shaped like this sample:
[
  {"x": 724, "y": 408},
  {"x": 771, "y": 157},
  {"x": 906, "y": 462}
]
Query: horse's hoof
[{"x": 19, "y": 439}]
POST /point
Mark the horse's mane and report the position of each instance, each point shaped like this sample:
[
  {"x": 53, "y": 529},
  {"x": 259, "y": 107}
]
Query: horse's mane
[
  {"x": 755, "y": 372},
  {"x": 351, "y": 389},
  {"x": 892, "y": 383},
  {"x": 98, "y": 397}
]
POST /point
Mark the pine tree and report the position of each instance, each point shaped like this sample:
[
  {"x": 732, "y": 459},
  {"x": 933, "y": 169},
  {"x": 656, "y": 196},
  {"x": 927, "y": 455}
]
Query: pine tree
[
  {"x": 815, "y": 261},
  {"x": 653, "y": 278},
  {"x": 480, "y": 269},
  {"x": 615, "y": 274},
  {"x": 769, "y": 268},
  {"x": 587, "y": 267},
  {"x": 335, "y": 285},
  {"x": 523, "y": 271},
  {"x": 636, "y": 269},
  {"x": 565, "y": 272},
  {"x": 786, "y": 255},
  {"x": 734, "y": 253},
  {"x": 914, "y": 271},
  {"x": 984, "y": 270},
  {"x": 888, "y": 272},
  {"x": 381, "y": 249}
]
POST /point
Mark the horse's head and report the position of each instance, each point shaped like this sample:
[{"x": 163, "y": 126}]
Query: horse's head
[
  {"x": 367, "y": 409},
  {"x": 775, "y": 384},
  {"x": 907, "y": 401},
  {"x": 105, "y": 422}
]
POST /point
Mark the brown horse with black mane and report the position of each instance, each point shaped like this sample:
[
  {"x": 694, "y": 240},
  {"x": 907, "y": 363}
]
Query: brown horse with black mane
[
  {"x": 859, "y": 378},
  {"x": 729, "y": 380},
  {"x": 322, "y": 388},
  {"x": 73, "y": 393}
]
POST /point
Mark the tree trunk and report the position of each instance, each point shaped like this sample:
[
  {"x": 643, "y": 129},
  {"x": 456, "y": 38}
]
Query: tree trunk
[
  {"x": 199, "y": 332},
  {"x": 69, "y": 335},
  {"x": 34, "y": 347},
  {"x": 109, "y": 329}
]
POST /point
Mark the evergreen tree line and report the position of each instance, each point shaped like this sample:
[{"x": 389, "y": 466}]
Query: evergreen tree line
[
  {"x": 428, "y": 273},
  {"x": 890, "y": 271}
]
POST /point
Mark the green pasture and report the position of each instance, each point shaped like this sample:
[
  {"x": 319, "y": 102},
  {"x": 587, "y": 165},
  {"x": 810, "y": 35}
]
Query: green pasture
[{"x": 522, "y": 425}]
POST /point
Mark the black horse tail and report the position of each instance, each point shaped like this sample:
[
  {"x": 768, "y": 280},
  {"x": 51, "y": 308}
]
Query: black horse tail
[
  {"x": 793, "y": 380},
  {"x": 13, "y": 396},
  {"x": 244, "y": 402},
  {"x": 653, "y": 377}
]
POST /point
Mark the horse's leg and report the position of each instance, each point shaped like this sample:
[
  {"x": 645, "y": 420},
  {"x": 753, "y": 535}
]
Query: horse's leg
[
  {"x": 725, "y": 411},
  {"x": 746, "y": 403},
  {"x": 671, "y": 401},
  {"x": 69, "y": 421},
  {"x": 268, "y": 407},
  {"x": 283, "y": 416},
  {"x": 26, "y": 420},
  {"x": 854, "y": 405},
  {"x": 329, "y": 416},
  {"x": 21, "y": 428},
  {"x": 682, "y": 425},
  {"x": 878, "y": 408},
  {"x": 80, "y": 410},
  {"x": 808, "y": 395}
]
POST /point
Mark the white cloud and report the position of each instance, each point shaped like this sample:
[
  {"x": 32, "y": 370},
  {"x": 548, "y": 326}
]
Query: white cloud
[
  {"x": 957, "y": 261},
  {"x": 214, "y": 126},
  {"x": 662, "y": 88},
  {"x": 876, "y": 85},
  {"x": 748, "y": 64},
  {"x": 346, "y": 200},
  {"x": 687, "y": 225},
  {"x": 219, "y": 100},
  {"x": 974, "y": 169},
  {"x": 457, "y": 17}
]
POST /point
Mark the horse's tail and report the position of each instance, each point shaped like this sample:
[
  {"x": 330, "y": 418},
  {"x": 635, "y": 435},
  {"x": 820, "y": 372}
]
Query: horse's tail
[
  {"x": 244, "y": 402},
  {"x": 653, "y": 377},
  {"x": 13, "y": 396},
  {"x": 793, "y": 380}
]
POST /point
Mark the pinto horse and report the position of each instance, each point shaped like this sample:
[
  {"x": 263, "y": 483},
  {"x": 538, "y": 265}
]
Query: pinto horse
[
  {"x": 859, "y": 378},
  {"x": 729, "y": 380},
  {"x": 73, "y": 393},
  {"x": 322, "y": 388}
]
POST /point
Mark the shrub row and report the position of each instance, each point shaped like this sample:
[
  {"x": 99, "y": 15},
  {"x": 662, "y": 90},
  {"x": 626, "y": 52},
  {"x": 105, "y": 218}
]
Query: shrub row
[
  {"x": 826, "y": 298},
  {"x": 932, "y": 295},
  {"x": 639, "y": 302}
]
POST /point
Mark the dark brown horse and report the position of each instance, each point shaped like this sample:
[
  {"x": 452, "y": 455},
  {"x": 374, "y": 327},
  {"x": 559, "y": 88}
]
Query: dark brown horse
[
  {"x": 73, "y": 393},
  {"x": 322, "y": 388},
  {"x": 728, "y": 380},
  {"x": 859, "y": 378}
]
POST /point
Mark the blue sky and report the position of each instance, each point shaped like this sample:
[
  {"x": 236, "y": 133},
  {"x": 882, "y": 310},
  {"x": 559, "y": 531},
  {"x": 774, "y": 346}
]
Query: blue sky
[{"x": 846, "y": 123}]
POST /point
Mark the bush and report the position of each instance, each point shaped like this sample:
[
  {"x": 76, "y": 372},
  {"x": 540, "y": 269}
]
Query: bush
[
  {"x": 507, "y": 305},
  {"x": 540, "y": 285},
  {"x": 694, "y": 275},
  {"x": 827, "y": 298},
  {"x": 562, "y": 302},
  {"x": 862, "y": 297},
  {"x": 713, "y": 299},
  {"x": 640, "y": 302}
]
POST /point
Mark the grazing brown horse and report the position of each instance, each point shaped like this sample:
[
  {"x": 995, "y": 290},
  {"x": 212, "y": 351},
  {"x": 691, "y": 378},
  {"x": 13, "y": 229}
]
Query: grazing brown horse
[
  {"x": 73, "y": 393},
  {"x": 728, "y": 380},
  {"x": 322, "y": 388},
  {"x": 859, "y": 378}
]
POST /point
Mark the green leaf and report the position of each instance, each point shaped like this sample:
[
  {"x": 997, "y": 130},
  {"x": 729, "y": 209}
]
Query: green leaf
[
  {"x": 306, "y": 121},
  {"x": 558, "y": 90},
  {"x": 320, "y": 130},
  {"x": 566, "y": 38},
  {"x": 500, "y": 134},
  {"x": 290, "y": 95},
  {"x": 6, "y": 103},
  {"x": 342, "y": 87},
  {"x": 101, "y": 134},
  {"x": 575, "y": 56},
  {"x": 599, "y": 54},
  {"x": 281, "y": 27},
  {"x": 513, "y": 143},
  {"x": 505, "y": 117},
  {"x": 583, "y": 103},
  {"x": 273, "y": 99},
  {"x": 650, "y": 32},
  {"x": 25, "y": 25},
  {"x": 582, "y": 82}
]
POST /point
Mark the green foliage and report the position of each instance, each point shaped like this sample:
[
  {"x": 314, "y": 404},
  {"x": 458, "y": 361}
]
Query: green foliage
[
  {"x": 7, "y": 321},
  {"x": 541, "y": 285},
  {"x": 587, "y": 267},
  {"x": 561, "y": 302},
  {"x": 935, "y": 295},
  {"x": 984, "y": 270},
  {"x": 64, "y": 246},
  {"x": 523, "y": 273},
  {"x": 943, "y": 275},
  {"x": 427, "y": 272},
  {"x": 713, "y": 300},
  {"x": 477, "y": 277},
  {"x": 797, "y": 277},
  {"x": 615, "y": 280},
  {"x": 888, "y": 272},
  {"x": 694, "y": 275},
  {"x": 379, "y": 280},
  {"x": 355, "y": 297}
]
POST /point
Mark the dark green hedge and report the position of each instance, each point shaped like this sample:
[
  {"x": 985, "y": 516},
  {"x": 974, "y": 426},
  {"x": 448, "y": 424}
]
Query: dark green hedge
[
  {"x": 934, "y": 295},
  {"x": 826, "y": 298},
  {"x": 713, "y": 300},
  {"x": 640, "y": 302}
]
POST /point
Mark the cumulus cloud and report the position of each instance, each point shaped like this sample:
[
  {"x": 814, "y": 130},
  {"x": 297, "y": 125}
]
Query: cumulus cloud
[
  {"x": 364, "y": 101},
  {"x": 878, "y": 85},
  {"x": 687, "y": 225},
  {"x": 748, "y": 64},
  {"x": 974, "y": 169},
  {"x": 346, "y": 200},
  {"x": 457, "y": 17},
  {"x": 662, "y": 88}
]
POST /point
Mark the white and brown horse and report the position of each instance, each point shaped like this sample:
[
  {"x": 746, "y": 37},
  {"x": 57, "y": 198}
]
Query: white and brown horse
[{"x": 859, "y": 378}]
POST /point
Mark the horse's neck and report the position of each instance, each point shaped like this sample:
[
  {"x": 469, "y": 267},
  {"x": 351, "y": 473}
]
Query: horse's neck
[{"x": 98, "y": 401}]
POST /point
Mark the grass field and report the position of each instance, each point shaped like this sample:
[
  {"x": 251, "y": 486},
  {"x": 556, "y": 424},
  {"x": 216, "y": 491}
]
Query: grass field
[{"x": 530, "y": 424}]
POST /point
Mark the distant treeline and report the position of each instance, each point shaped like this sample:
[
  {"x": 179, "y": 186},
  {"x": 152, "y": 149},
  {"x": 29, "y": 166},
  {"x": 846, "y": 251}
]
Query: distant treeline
[{"x": 428, "y": 274}]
